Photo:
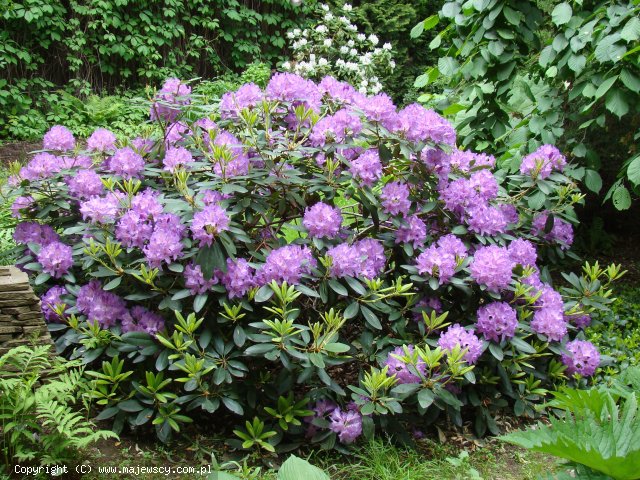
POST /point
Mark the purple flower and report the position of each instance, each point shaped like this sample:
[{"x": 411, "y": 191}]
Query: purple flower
[
  {"x": 98, "y": 305},
  {"x": 31, "y": 232},
  {"x": 239, "y": 278},
  {"x": 101, "y": 140},
  {"x": 457, "y": 336},
  {"x": 486, "y": 220},
  {"x": 347, "y": 424},
  {"x": 395, "y": 198},
  {"x": 452, "y": 245},
  {"x": 290, "y": 87},
  {"x": 147, "y": 203},
  {"x": 286, "y": 264},
  {"x": 59, "y": 138},
  {"x": 212, "y": 196},
  {"x": 239, "y": 162},
  {"x": 338, "y": 91},
  {"x": 20, "y": 204},
  {"x": 231, "y": 103},
  {"x": 126, "y": 163},
  {"x": 140, "y": 319},
  {"x": 133, "y": 229},
  {"x": 465, "y": 160},
  {"x": 582, "y": 357},
  {"x": 437, "y": 262},
  {"x": 580, "y": 321},
  {"x": 56, "y": 259},
  {"x": 50, "y": 301},
  {"x": 322, "y": 220},
  {"x": 459, "y": 196},
  {"x": 550, "y": 323},
  {"x": 81, "y": 161},
  {"x": 542, "y": 162},
  {"x": 335, "y": 128},
  {"x": 492, "y": 266},
  {"x": 380, "y": 109},
  {"x": 142, "y": 145},
  {"x": 561, "y": 232},
  {"x": 165, "y": 243},
  {"x": 485, "y": 184},
  {"x": 209, "y": 222},
  {"x": 523, "y": 252},
  {"x": 418, "y": 124},
  {"x": 372, "y": 255},
  {"x": 85, "y": 184},
  {"x": 176, "y": 157},
  {"x": 169, "y": 99},
  {"x": 194, "y": 280},
  {"x": 175, "y": 133},
  {"x": 345, "y": 261},
  {"x": 549, "y": 298},
  {"x": 400, "y": 368},
  {"x": 367, "y": 168},
  {"x": 100, "y": 209},
  {"x": 43, "y": 165},
  {"x": 413, "y": 230},
  {"x": 497, "y": 321}
]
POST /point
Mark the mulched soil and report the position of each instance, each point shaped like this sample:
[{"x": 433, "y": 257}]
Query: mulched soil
[{"x": 17, "y": 151}]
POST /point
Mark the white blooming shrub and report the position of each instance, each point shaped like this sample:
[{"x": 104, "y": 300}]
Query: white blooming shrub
[{"x": 335, "y": 47}]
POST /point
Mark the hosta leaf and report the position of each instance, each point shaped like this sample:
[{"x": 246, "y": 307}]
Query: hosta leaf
[{"x": 296, "y": 469}]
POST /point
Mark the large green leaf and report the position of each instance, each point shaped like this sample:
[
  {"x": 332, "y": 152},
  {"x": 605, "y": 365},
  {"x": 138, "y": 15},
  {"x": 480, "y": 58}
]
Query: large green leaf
[
  {"x": 561, "y": 14},
  {"x": 298, "y": 469}
]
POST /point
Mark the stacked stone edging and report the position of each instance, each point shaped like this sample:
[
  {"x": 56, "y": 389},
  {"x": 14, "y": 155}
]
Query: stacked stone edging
[{"x": 20, "y": 315}]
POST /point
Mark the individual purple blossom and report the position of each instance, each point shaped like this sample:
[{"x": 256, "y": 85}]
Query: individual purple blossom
[
  {"x": 452, "y": 245},
  {"x": 100, "y": 209},
  {"x": 239, "y": 278},
  {"x": 549, "y": 298},
  {"x": 85, "y": 184},
  {"x": 437, "y": 263},
  {"x": 50, "y": 301},
  {"x": 176, "y": 157},
  {"x": 395, "y": 198},
  {"x": 549, "y": 322},
  {"x": 169, "y": 100},
  {"x": 485, "y": 184},
  {"x": 347, "y": 424},
  {"x": 209, "y": 223},
  {"x": 101, "y": 140},
  {"x": 486, "y": 220},
  {"x": 367, "y": 168},
  {"x": 523, "y": 252},
  {"x": 59, "y": 138},
  {"x": 140, "y": 319},
  {"x": 561, "y": 232},
  {"x": 42, "y": 165},
  {"x": 322, "y": 409},
  {"x": 99, "y": 305},
  {"x": 20, "y": 204},
  {"x": 418, "y": 124},
  {"x": 207, "y": 124},
  {"x": 492, "y": 266},
  {"x": 322, "y": 220},
  {"x": 380, "y": 109},
  {"x": 336, "y": 90},
  {"x": 335, "y": 128},
  {"x": 286, "y": 264},
  {"x": 345, "y": 261},
  {"x": 400, "y": 368},
  {"x": 582, "y": 357},
  {"x": 464, "y": 161},
  {"x": 31, "y": 232},
  {"x": 457, "y": 336},
  {"x": 290, "y": 87},
  {"x": 56, "y": 258},
  {"x": 542, "y": 162},
  {"x": 147, "y": 203},
  {"x": 247, "y": 96},
  {"x": 126, "y": 162},
  {"x": 164, "y": 246},
  {"x": 459, "y": 196},
  {"x": 412, "y": 230},
  {"x": 510, "y": 212},
  {"x": 497, "y": 321}
]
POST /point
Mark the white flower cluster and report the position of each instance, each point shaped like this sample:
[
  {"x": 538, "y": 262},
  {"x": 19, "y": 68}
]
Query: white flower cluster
[{"x": 335, "y": 47}]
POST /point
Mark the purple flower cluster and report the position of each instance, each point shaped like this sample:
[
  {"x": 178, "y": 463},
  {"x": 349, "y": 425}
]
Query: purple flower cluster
[
  {"x": 335, "y": 128},
  {"x": 20, "y": 204},
  {"x": 232, "y": 103},
  {"x": 582, "y": 357},
  {"x": 42, "y": 165},
  {"x": 395, "y": 198},
  {"x": 379, "y": 109},
  {"x": 59, "y": 138},
  {"x": 56, "y": 259},
  {"x": 101, "y": 306},
  {"x": 367, "y": 168},
  {"x": 126, "y": 162},
  {"x": 418, "y": 124},
  {"x": 338, "y": 91},
  {"x": 50, "y": 301},
  {"x": 239, "y": 163},
  {"x": 31, "y": 232},
  {"x": 85, "y": 184},
  {"x": 441, "y": 259},
  {"x": 492, "y": 266},
  {"x": 176, "y": 157},
  {"x": 549, "y": 322},
  {"x": 286, "y": 264},
  {"x": 208, "y": 223},
  {"x": 347, "y": 424},
  {"x": 169, "y": 98},
  {"x": 399, "y": 367},
  {"x": 497, "y": 321},
  {"x": 365, "y": 258},
  {"x": 412, "y": 230},
  {"x": 101, "y": 209},
  {"x": 561, "y": 231},
  {"x": 139, "y": 319},
  {"x": 322, "y": 220},
  {"x": 101, "y": 140},
  {"x": 457, "y": 336},
  {"x": 165, "y": 243},
  {"x": 523, "y": 252},
  {"x": 542, "y": 162},
  {"x": 194, "y": 279}
]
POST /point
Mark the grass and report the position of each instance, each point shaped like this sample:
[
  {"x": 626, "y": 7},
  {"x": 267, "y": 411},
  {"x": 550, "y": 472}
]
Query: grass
[{"x": 377, "y": 460}]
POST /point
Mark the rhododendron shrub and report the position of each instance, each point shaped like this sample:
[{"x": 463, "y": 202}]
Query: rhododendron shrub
[{"x": 309, "y": 257}]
